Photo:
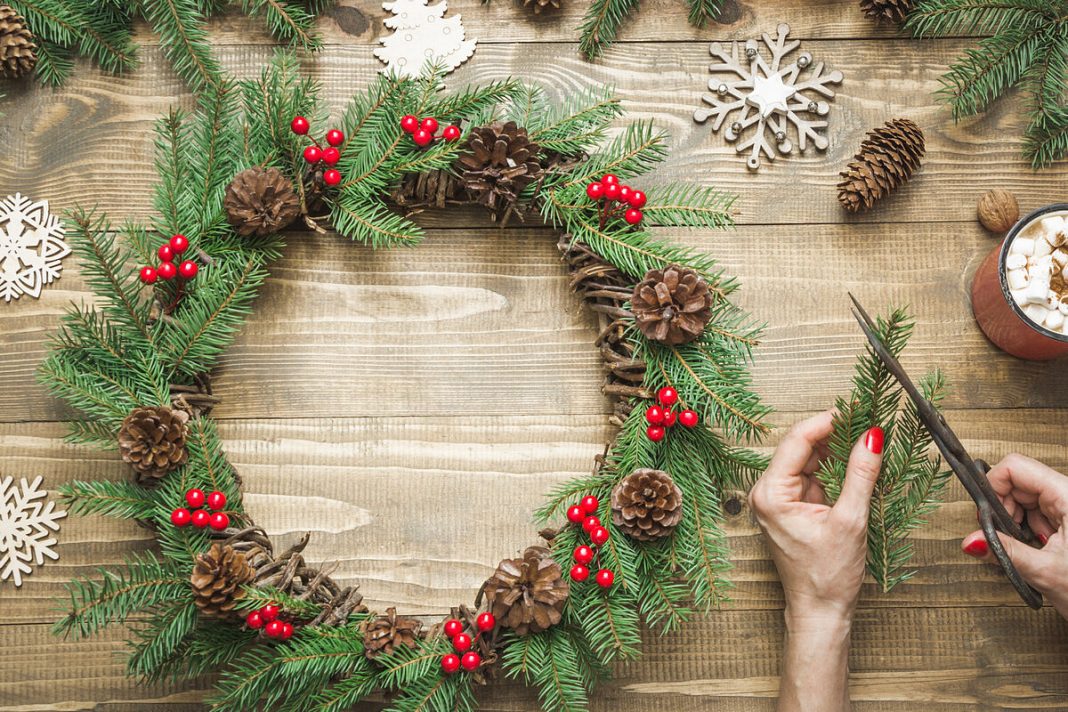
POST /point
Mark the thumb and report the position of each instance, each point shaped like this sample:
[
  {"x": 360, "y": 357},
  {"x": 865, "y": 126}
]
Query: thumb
[
  {"x": 1030, "y": 562},
  {"x": 862, "y": 471}
]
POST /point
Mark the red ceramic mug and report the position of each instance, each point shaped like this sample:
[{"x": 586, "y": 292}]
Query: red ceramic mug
[{"x": 999, "y": 316}]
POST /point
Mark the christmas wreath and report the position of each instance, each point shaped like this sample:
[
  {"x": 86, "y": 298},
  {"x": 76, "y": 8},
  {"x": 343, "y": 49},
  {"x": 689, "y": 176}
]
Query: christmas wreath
[{"x": 638, "y": 540}]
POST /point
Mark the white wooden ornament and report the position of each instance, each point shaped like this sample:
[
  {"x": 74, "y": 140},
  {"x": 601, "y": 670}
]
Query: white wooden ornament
[
  {"x": 31, "y": 247},
  {"x": 422, "y": 37},
  {"x": 768, "y": 98},
  {"x": 27, "y": 522}
]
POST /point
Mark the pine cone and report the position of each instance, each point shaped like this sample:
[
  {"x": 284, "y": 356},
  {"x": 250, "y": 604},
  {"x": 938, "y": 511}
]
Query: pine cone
[
  {"x": 499, "y": 162},
  {"x": 18, "y": 52},
  {"x": 538, "y": 5},
  {"x": 672, "y": 305},
  {"x": 527, "y": 594},
  {"x": 886, "y": 159},
  {"x": 646, "y": 505},
  {"x": 152, "y": 441},
  {"x": 892, "y": 10},
  {"x": 260, "y": 201},
  {"x": 218, "y": 575},
  {"x": 384, "y": 634}
]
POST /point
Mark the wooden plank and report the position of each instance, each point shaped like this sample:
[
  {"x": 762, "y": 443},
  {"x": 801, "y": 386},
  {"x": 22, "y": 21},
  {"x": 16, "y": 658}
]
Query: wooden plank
[{"x": 93, "y": 144}]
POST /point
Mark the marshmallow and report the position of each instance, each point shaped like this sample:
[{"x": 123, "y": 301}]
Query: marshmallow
[
  {"x": 1064, "y": 328},
  {"x": 1052, "y": 224},
  {"x": 1017, "y": 278},
  {"x": 1054, "y": 320},
  {"x": 1015, "y": 261},
  {"x": 1038, "y": 291},
  {"x": 1020, "y": 297},
  {"x": 1057, "y": 238},
  {"x": 1042, "y": 248},
  {"x": 1036, "y": 313},
  {"x": 1023, "y": 246},
  {"x": 1060, "y": 259},
  {"x": 1062, "y": 307}
]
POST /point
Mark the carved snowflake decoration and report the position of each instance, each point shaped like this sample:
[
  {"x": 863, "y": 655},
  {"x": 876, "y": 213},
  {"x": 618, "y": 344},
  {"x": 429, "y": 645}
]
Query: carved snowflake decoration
[
  {"x": 27, "y": 521},
  {"x": 31, "y": 247},
  {"x": 768, "y": 97}
]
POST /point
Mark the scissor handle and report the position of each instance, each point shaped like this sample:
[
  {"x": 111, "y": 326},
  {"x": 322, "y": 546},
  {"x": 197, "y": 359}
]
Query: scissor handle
[{"x": 1027, "y": 592}]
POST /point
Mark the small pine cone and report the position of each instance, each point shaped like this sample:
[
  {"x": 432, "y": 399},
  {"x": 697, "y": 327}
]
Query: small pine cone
[
  {"x": 218, "y": 575},
  {"x": 672, "y": 305},
  {"x": 18, "y": 52},
  {"x": 891, "y": 10},
  {"x": 646, "y": 505},
  {"x": 260, "y": 201},
  {"x": 500, "y": 161},
  {"x": 152, "y": 440},
  {"x": 382, "y": 635},
  {"x": 537, "y": 6},
  {"x": 886, "y": 159},
  {"x": 527, "y": 594}
]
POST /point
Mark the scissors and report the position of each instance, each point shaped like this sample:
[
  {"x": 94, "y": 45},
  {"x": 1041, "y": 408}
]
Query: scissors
[{"x": 993, "y": 516}]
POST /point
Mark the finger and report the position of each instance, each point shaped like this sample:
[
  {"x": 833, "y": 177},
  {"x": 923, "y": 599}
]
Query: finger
[
  {"x": 1030, "y": 562},
  {"x": 798, "y": 445},
  {"x": 862, "y": 471},
  {"x": 1040, "y": 525},
  {"x": 1032, "y": 484}
]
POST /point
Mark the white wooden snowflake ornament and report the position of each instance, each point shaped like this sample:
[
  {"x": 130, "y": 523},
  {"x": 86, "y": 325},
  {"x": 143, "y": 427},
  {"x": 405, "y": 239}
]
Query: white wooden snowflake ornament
[
  {"x": 27, "y": 522},
  {"x": 768, "y": 98},
  {"x": 422, "y": 36},
  {"x": 31, "y": 247}
]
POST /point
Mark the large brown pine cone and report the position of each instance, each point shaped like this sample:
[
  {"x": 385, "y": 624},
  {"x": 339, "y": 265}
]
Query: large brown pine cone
[
  {"x": 527, "y": 594},
  {"x": 260, "y": 201},
  {"x": 892, "y": 10},
  {"x": 218, "y": 575},
  {"x": 18, "y": 52},
  {"x": 499, "y": 162},
  {"x": 672, "y": 305},
  {"x": 382, "y": 635},
  {"x": 886, "y": 159},
  {"x": 647, "y": 504},
  {"x": 537, "y": 6},
  {"x": 152, "y": 440}
]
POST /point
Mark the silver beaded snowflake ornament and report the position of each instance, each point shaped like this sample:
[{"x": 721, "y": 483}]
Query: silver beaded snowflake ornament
[
  {"x": 31, "y": 247},
  {"x": 768, "y": 97}
]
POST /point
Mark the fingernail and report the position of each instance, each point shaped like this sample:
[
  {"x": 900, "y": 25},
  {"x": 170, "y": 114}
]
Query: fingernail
[
  {"x": 1043, "y": 538},
  {"x": 873, "y": 440},
  {"x": 977, "y": 548}
]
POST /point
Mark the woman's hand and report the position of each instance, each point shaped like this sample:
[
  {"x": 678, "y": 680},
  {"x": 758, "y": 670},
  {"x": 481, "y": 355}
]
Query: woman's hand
[{"x": 1032, "y": 490}]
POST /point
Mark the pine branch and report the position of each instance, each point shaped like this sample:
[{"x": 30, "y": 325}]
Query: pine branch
[
  {"x": 162, "y": 639},
  {"x": 287, "y": 21},
  {"x": 549, "y": 661},
  {"x": 122, "y": 500},
  {"x": 578, "y": 125},
  {"x": 601, "y": 25},
  {"x": 180, "y": 26},
  {"x": 701, "y": 11}
]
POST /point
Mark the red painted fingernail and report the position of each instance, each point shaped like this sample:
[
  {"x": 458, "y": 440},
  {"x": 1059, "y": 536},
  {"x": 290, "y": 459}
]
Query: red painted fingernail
[
  {"x": 977, "y": 548},
  {"x": 1043, "y": 538},
  {"x": 873, "y": 440}
]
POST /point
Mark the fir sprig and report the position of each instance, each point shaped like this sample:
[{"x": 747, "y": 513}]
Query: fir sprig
[{"x": 604, "y": 18}]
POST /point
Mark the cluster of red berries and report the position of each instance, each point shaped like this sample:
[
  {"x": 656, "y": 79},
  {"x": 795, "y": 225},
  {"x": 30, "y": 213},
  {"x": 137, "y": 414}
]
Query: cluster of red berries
[
  {"x": 316, "y": 154},
  {"x": 266, "y": 619},
  {"x": 423, "y": 130},
  {"x": 186, "y": 269},
  {"x": 462, "y": 642},
  {"x": 585, "y": 513},
  {"x": 661, "y": 417},
  {"x": 613, "y": 197},
  {"x": 200, "y": 518}
]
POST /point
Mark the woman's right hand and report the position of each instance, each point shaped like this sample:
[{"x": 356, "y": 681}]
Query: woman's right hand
[{"x": 1032, "y": 490}]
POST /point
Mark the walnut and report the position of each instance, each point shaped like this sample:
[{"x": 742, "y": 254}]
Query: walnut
[{"x": 998, "y": 210}]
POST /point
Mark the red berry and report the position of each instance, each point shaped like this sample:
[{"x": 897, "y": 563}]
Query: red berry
[
  {"x": 167, "y": 271},
  {"x": 590, "y": 523},
  {"x": 430, "y": 125},
  {"x": 461, "y": 642},
  {"x": 332, "y": 176},
  {"x": 166, "y": 253},
  {"x": 589, "y": 503},
  {"x": 595, "y": 191},
  {"x": 409, "y": 124},
  {"x": 274, "y": 629},
  {"x": 422, "y": 137},
  {"x": 219, "y": 521},
  {"x": 608, "y": 178},
  {"x": 334, "y": 137},
  {"x": 633, "y": 216},
  {"x": 611, "y": 191},
  {"x": 654, "y": 415},
  {"x": 470, "y": 661},
  {"x": 313, "y": 154},
  {"x": 453, "y": 628},
  {"x": 451, "y": 133},
  {"x": 605, "y": 578},
  {"x": 575, "y": 514},
  {"x": 655, "y": 433},
  {"x": 579, "y": 573},
  {"x": 200, "y": 519},
  {"x": 599, "y": 536},
  {"x": 669, "y": 418},
  {"x": 216, "y": 500},
  {"x": 195, "y": 498},
  {"x": 637, "y": 199},
  {"x": 450, "y": 663},
  {"x": 667, "y": 396},
  {"x": 287, "y": 631},
  {"x": 688, "y": 418},
  {"x": 485, "y": 622},
  {"x": 148, "y": 275},
  {"x": 188, "y": 269},
  {"x": 270, "y": 612},
  {"x": 179, "y": 243},
  {"x": 300, "y": 125},
  {"x": 583, "y": 554},
  {"x": 254, "y": 620},
  {"x": 331, "y": 156},
  {"x": 625, "y": 192},
  {"x": 181, "y": 517}
]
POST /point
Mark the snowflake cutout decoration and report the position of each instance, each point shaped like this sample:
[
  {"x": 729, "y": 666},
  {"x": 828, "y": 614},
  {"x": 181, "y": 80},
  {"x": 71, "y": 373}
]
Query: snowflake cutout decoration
[
  {"x": 27, "y": 522},
  {"x": 768, "y": 97},
  {"x": 31, "y": 247}
]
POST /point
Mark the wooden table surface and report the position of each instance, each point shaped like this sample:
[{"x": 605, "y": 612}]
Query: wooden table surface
[{"x": 411, "y": 407}]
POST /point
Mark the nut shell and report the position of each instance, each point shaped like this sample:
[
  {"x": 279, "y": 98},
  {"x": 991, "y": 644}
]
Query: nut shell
[{"x": 998, "y": 210}]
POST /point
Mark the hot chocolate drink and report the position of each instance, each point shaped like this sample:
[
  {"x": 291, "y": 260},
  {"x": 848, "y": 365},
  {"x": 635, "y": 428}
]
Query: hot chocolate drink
[{"x": 1036, "y": 271}]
